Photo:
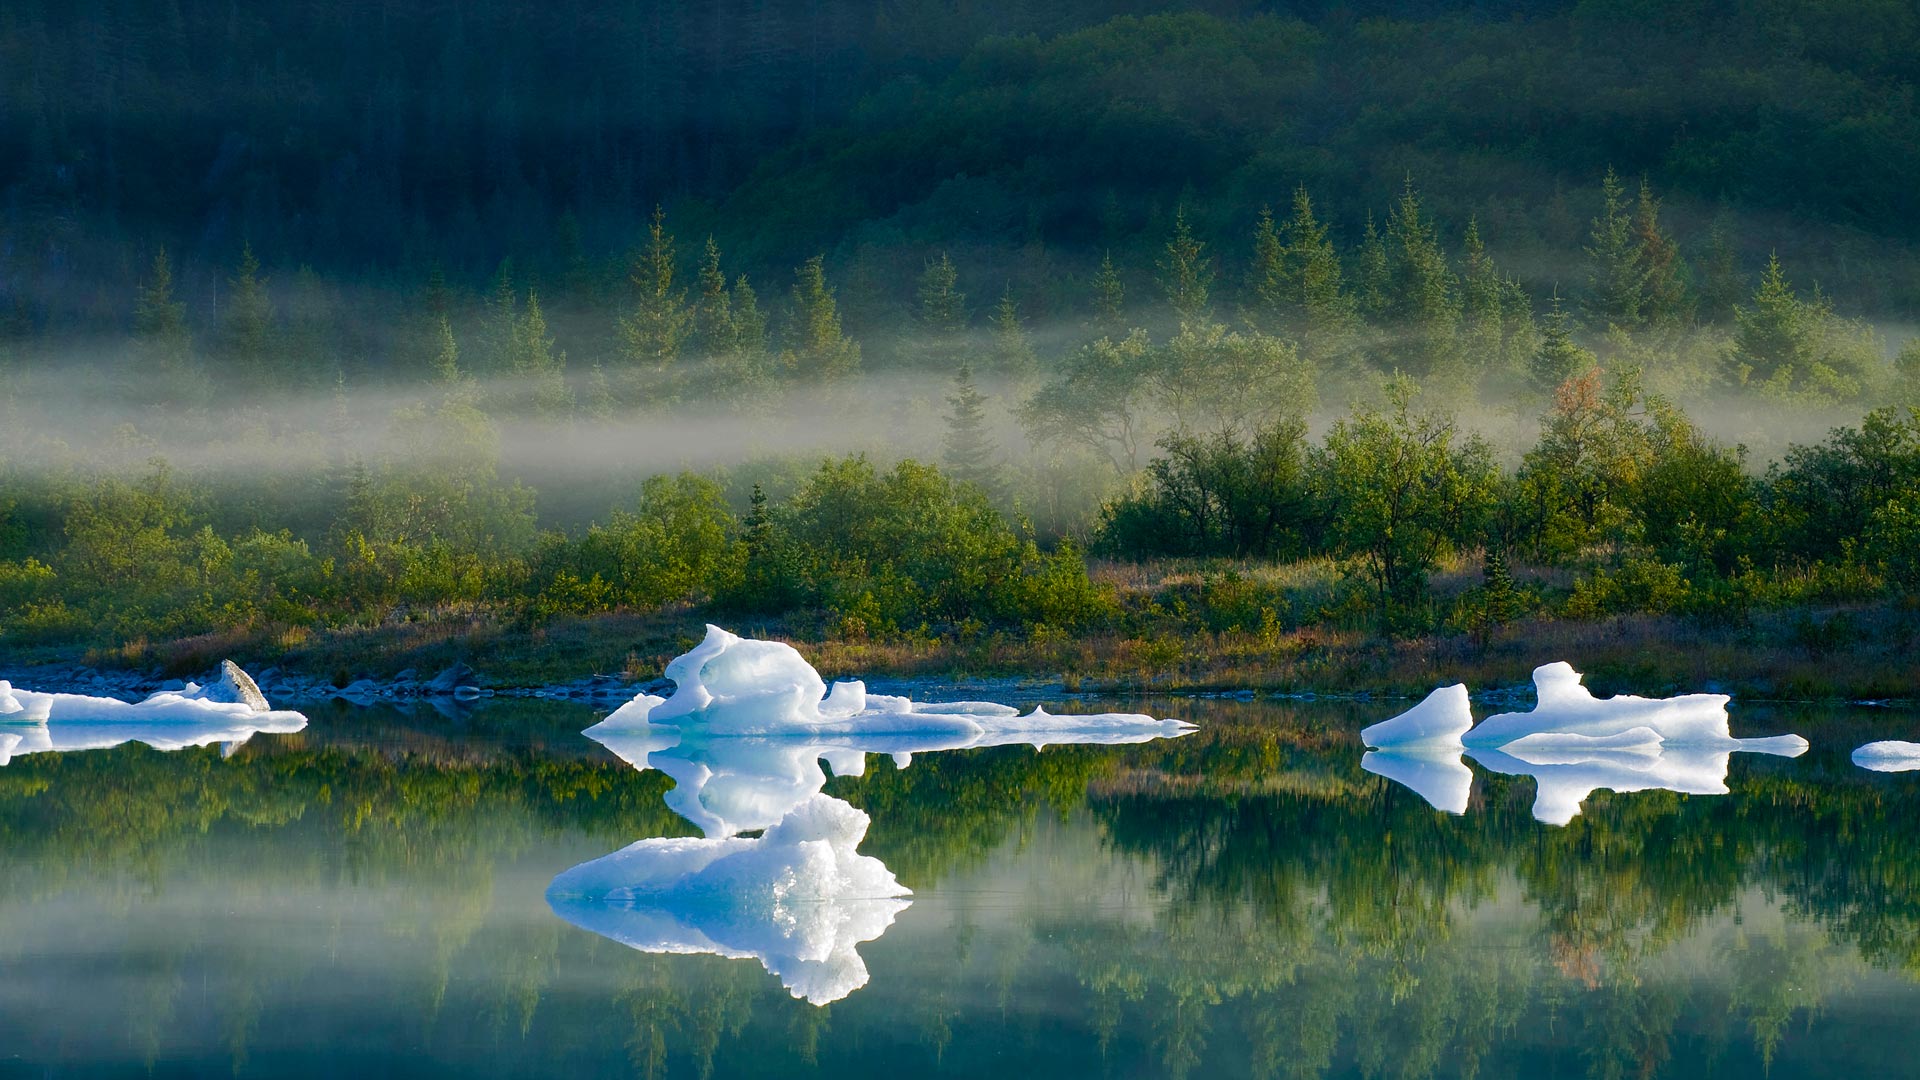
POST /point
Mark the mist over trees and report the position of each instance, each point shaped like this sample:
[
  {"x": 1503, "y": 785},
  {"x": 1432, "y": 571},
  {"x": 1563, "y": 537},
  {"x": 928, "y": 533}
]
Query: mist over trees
[{"x": 1238, "y": 284}]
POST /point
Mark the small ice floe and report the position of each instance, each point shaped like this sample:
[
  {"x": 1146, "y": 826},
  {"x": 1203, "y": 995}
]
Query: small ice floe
[
  {"x": 228, "y": 711},
  {"x": 1890, "y": 755},
  {"x": 1439, "y": 721},
  {"x": 798, "y": 898}
]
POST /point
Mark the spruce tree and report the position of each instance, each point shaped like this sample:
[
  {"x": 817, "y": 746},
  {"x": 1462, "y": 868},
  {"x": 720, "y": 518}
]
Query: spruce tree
[
  {"x": 1617, "y": 274},
  {"x": 1374, "y": 280},
  {"x": 713, "y": 315},
  {"x": 657, "y": 328},
  {"x": 1722, "y": 285},
  {"x": 536, "y": 361},
  {"x": 1426, "y": 304},
  {"x": 1267, "y": 278},
  {"x": 1667, "y": 302},
  {"x": 1558, "y": 358},
  {"x": 942, "y": 310},
  {"x": 1186, "y": 273},
  {"x": 1012, "y": 349},
  {"x": 246, "y": 328},
  {"x": 969, "y": 450},
  {"x": 499, "y": 318},
  {"x": 446, "y": 354},
  {"x": 817, "y": 349},
  {"x": 160, "y": 321},
  {"x": 1325, "y": 314}
]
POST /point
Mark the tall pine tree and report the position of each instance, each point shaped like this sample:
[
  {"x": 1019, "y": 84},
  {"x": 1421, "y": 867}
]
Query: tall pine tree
[{"x": 969, "y": 450}]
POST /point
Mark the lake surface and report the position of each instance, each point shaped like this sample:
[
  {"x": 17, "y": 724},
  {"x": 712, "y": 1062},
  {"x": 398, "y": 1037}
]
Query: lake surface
[{"x": 367, "y": 896}]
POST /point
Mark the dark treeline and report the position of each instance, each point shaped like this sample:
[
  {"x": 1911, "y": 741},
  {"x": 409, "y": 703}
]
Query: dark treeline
[{"x": 400, "y": 136}]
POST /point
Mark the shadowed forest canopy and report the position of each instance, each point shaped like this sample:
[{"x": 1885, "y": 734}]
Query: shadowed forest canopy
[{"x": 363, "y": 139}]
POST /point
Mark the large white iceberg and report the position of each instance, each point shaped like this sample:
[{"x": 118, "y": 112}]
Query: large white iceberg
[
  {"x": 728, "y": 686},
  {"x": 229, "y": 711},
  {"x": 1565, "y": 707},
  {"x": 798, "y": 898},
  {"x": 1890, "y": 755}
]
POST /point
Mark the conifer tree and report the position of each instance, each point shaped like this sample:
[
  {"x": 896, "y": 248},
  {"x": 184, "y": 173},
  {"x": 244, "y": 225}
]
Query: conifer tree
[
  {"x": 446, "y": 355},
  {"x": 160, "y": 321},
  {"x": 246, "y": 329},
  {"x": 942, "y": 305},
  {"x": 1374, "y": 281},
  {"x": 656, "y": 330},
  {"x": 1426, "y": 307},
  {"x": 1617, "y": 274},
  {"x": 1325, "y": 318},
  {"x": 1667, "y": 302},
  {"x": 1497, "y": 329},
  {"x": 1267, "y": 277},
  {"x": 757, "y": 526},
  {"x": 499, "y": 318},
  {"x": 969, "y": 450},
  {"x": 817, "y": 349},
  {"x": 600, "y": 400},
  {"x": 536, "y": 361},
  {"x": 1012, "y": 349},
  {"x": 713, "y": 315},
  {"x": 1186, "y": 272},
  {"x": 1558, "y": 358},
  {"x": 1109, "y": 299}
]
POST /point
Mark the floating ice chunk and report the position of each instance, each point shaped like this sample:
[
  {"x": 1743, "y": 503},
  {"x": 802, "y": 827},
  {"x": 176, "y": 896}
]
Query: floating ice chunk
[
  {"x": 1434, "y": 773},
  {"x": 1566, "y": 707},
  {"x": 733, "y": 686},
  {"x": 232, "y": 697},
  {"x": 1888, "y": 756},
  {"x": 799, "y": 899},
  {"x": 1438, "y": 721}
]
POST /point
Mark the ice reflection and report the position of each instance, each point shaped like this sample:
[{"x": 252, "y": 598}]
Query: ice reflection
[
  {"x": 1571, "y": 743},
  {"x": 748, "y": 737}
]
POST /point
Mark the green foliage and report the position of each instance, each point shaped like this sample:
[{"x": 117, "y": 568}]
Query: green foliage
[
  {"x": 1402, "y": 489},
  {"x": 1617, "y": 277},
  {"x": 657, "y": 328},
  {"x": 819, "y": 351},
  {"x": 1218, "y": 494},
  {"x": 680, "y": 544},
  {"x": 969, "y": 450},
  {"x": 1799, "y": 349},
  {"x": 1186, "y": 273}
]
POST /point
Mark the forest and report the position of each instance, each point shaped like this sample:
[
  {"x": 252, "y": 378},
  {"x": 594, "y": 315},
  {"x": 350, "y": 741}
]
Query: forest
[{"x": 1173, "y": 341}]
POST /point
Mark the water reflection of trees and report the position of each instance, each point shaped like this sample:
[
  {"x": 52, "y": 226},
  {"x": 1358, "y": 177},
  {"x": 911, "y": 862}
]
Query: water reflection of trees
[{"x": 1307, "y": 918}]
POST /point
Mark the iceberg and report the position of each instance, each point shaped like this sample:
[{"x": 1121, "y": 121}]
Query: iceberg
[
  {"x": 1435, "y": 774},
  {"x": 733, "y": 686},
  {"x": 1890, "y": 755},
  {"x": 1566, "y": 708},
  {"x": 798, "y": 899},
  {"x": 229, "y": 711},
  {"x": 1438, "y": 721}
]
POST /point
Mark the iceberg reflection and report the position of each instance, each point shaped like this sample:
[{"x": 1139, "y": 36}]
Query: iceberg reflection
[
  {"x": 228, "y": 711},
  {"x": 748, "y": 737}
]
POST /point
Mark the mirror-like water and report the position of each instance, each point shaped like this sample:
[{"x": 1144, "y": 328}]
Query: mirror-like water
[{"x": 370, "y": 894}]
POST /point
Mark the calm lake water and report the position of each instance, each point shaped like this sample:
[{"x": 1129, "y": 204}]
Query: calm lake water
[{"x": 368, "y": 897}]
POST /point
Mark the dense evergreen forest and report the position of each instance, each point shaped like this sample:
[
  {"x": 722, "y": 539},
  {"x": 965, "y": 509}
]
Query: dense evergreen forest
[{"x": 1218, "y": 327}]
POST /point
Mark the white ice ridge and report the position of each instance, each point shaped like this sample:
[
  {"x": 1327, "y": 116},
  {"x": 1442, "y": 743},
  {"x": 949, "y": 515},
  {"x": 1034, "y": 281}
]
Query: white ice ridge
[
  {"x": 1436, "y": 722},
  {"x": 798, "y": 898},
  {"x": 229, "y": 711},
  {"x": 1891, "y": 755},
  {"x": 1566, "y": 708},
  {"x": 728, "y": 685}
]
